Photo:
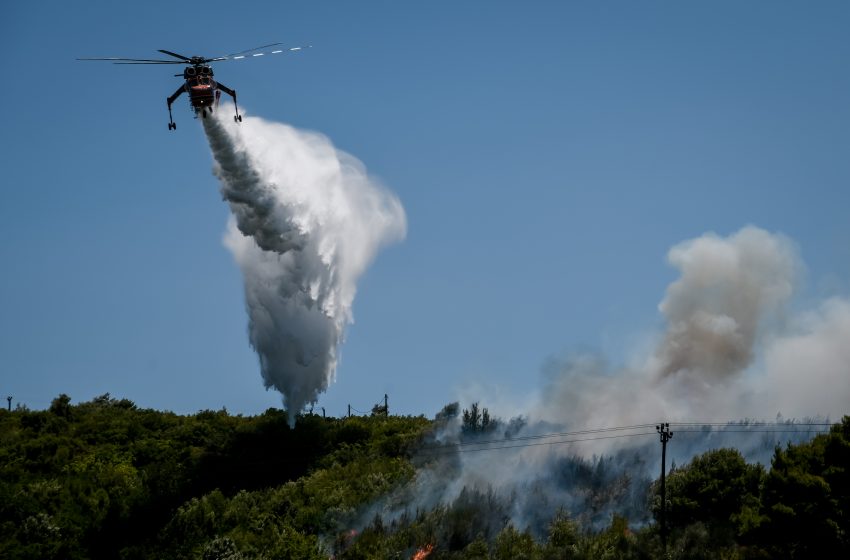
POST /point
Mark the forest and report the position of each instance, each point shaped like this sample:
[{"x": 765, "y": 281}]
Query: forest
[{"x": 107, "y": 479}]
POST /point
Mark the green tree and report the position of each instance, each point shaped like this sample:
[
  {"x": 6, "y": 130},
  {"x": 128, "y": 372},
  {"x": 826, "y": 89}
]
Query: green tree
[
  {"x": 477, "y": 550},
  {"x": 716, "y": 489},
  {"x": 61, "y": 406},
  {"x": 564, "y": 536},
  {"x": 806, "y": 498},
  {"x": 477, "y": 420},
  {"x": 510, "y": 544}
]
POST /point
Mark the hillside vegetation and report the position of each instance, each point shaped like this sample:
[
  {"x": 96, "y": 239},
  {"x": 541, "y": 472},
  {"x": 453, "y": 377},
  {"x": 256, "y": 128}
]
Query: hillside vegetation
[{"x": 105, "y": 479}]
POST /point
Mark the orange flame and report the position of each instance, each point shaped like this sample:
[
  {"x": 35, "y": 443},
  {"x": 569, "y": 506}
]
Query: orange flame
[{"x": 423, "y": 552}]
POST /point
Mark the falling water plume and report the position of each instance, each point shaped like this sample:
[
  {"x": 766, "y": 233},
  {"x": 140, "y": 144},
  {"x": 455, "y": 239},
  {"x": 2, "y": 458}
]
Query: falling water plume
[{"x": 307, "y": 222}]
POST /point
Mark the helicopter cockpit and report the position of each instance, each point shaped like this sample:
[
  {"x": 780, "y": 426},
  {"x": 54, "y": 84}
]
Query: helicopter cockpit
[{"x": 200, "y": 82}]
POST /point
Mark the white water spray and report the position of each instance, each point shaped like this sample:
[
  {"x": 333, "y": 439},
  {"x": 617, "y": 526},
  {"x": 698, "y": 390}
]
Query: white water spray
[{"x": 307, "y": 222}]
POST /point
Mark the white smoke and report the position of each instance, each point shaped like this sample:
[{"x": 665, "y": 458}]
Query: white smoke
[
  {"x": 727, "y": 289},
  {"x": 725, "y": 311},
  {"x": 807, "y": 369},
  {"x": 307, "y": 222}
]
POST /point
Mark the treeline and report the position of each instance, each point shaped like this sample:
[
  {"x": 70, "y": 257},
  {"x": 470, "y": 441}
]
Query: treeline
[{"x": 105, "y": 479}]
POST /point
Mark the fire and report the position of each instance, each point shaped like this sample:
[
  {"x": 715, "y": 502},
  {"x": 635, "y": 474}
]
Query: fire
[{"x": 423, "y": 552}]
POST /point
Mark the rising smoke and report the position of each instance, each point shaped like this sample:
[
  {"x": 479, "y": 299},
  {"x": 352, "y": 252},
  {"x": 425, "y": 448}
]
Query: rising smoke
[
  {"x": 727, "y": 321},
  {"x": 307, "y": 222},
  {"x": 727, "y": 289},
  {"x": 731, "y": 349}
]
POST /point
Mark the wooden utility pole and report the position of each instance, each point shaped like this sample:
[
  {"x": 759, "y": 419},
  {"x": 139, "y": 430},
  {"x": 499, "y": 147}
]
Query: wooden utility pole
[
  {"x": 666, "y": 434},
  {"x": 9, "y": 399},
  {"x": 386, "y": 405},
  {"x": 349, "y": 411}
]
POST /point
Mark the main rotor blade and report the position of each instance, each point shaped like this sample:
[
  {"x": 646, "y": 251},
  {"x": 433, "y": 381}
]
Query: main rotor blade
[
  {"x": 155, "y": 63},
  {"x": 136, "y": 60},
  {"x": 249, "y": 50},
  {"x": 180, "y": 56},
  {"x": 251, "y": 54}
]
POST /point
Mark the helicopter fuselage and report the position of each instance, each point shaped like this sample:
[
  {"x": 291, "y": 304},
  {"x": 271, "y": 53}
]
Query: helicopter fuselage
[
  {"x": 204, "y": 92},
  {"x": 202, "y": 88}
]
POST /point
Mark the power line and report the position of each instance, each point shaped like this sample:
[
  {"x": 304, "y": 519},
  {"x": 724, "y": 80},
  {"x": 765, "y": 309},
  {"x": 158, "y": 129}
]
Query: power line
[
  {"x": 446, "y": 450},
  {"x": 529, "y": 441},
  {"x": 377, "y": 408},
  {"x": 755, "y": 431},
  {"x": 550, "y": 435},
  {"x": 754, "y": 423}
]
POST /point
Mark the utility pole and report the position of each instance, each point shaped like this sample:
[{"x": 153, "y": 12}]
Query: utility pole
[
  {"x": 386, "y": 405},
  {"x": 9, "y": 399},
  {"x": 349, "y": 411},
  {"x": 665, "y": 433}
]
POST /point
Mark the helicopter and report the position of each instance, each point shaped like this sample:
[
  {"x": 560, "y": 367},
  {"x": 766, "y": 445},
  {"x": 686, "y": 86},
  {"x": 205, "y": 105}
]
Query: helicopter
[{"x": 204, "y": 92}]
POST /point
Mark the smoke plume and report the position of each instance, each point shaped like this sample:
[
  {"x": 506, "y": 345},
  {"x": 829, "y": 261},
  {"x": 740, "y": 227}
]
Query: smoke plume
[
  {"x": 728, "y": 287},
  {"x": 731, "y": 347},
  {"x": 307, "y": 222}
]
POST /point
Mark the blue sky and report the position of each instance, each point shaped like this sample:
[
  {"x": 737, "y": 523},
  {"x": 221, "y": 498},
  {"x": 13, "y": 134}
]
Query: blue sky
[{"x": 548, "y": 154}]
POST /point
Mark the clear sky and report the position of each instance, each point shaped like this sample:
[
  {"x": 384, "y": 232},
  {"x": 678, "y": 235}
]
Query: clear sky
[{"x": 548, "y": 154}]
